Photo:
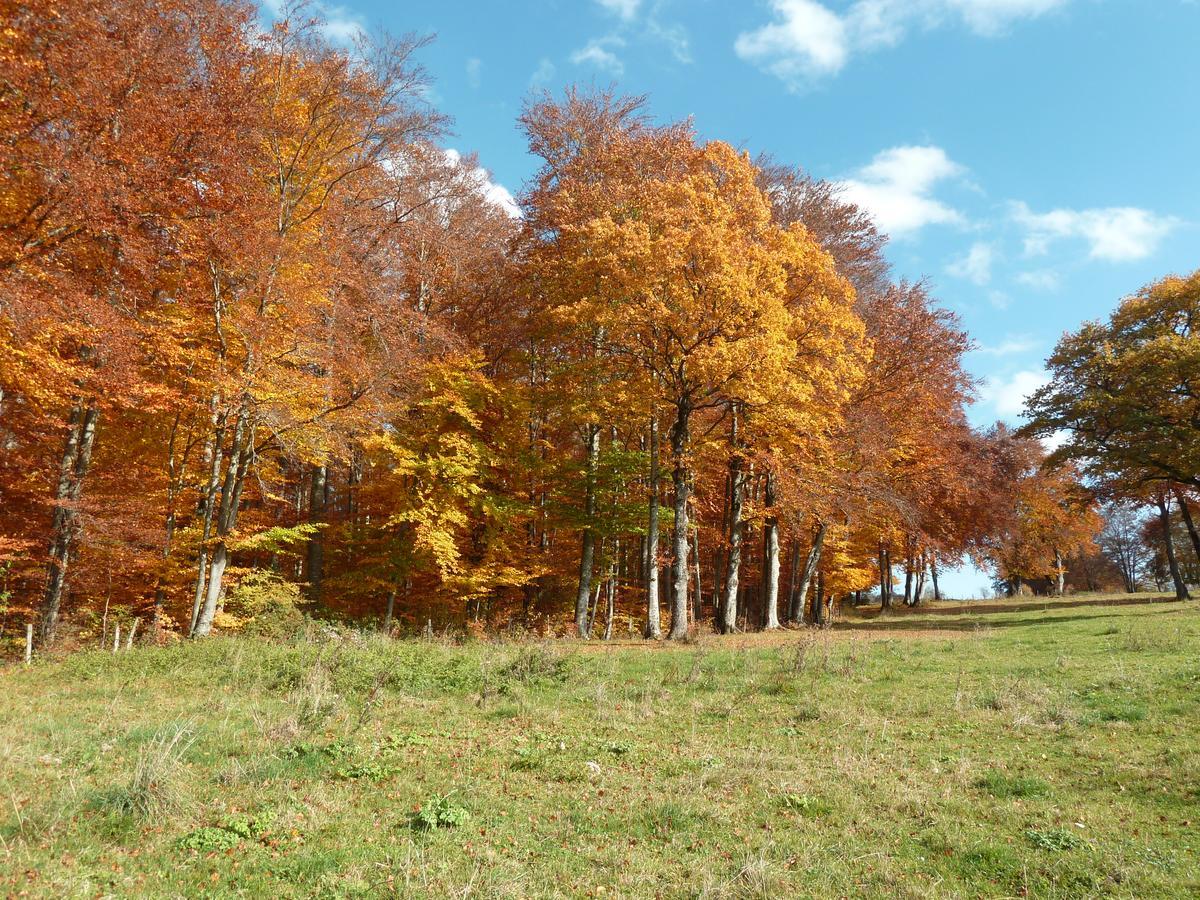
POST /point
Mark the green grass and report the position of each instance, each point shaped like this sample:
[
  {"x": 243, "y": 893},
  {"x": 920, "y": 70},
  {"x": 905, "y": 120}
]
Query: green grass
[{"x": 1046, "y": 753}]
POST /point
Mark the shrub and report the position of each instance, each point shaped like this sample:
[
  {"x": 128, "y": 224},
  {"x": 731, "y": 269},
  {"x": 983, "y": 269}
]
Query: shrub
[
  {"x": 534, "y": 666},
  {"x": 261, "y": 603}
]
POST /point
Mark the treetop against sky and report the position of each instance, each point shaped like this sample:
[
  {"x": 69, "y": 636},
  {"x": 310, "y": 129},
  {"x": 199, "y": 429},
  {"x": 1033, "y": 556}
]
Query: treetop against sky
[{"x": 1014, "y": 150}]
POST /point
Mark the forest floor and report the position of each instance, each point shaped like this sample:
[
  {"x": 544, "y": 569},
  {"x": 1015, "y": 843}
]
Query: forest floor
[{"x": 1044, "y": 752}]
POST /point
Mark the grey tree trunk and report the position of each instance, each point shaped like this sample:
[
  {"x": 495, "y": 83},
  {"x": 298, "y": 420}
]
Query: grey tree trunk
[
  {"x": 587, "y": 552},
  {"x": 214, "y": 449},
  {"x": 733, "y": 565},
  {"x": 1060, "y": 574},
  {"x": 241, "y": 453},
  {"x": 73, "y": 467},
  {"x": 1164, "y": 514},
  {"x": 810, "y": 567},
  {"x": 727, "y": 623},
  {"x": 770, "y": 557},
  {"x": 318, "y": 500},
  {"x": 937, "y": 593},
  {"x": 653, "y": 614},
  {"x": 681, "y": 486}
]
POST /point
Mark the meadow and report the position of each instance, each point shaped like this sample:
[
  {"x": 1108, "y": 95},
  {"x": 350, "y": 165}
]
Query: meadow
[{"x": 1046, "y": 750}]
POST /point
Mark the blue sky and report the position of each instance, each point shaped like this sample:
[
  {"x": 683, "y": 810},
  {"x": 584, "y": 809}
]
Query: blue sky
[{"x": 1035, "y": 160}]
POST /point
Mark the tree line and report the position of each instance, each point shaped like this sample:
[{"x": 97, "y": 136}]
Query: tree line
[{"x": 265, "y": 343}]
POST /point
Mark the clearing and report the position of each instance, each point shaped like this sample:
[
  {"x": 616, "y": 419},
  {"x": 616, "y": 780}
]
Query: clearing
[{"x": 1048, "y": 750}]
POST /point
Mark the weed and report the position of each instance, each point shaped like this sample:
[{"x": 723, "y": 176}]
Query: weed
[
  {"x": 1054, "y": 840},
  {"x": 439, "y": 812},
  {"x": 229, "y": 834},
  {"x": 209, "y": 840},
  {"x": 369, "y": 770},
  {"x": 807, "y": 806}
]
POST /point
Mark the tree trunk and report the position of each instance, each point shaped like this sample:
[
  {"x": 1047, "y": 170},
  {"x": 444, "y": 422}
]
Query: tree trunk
[
  {"x": 1186, "y": 513},
  {"x": 793, "y": 581},
  {"x": 819, "y": 601},
  {"x": 1060, "y": 574},
  {"x": 1164, "y": 514},
  {"x": 214, "y": 448},
  {"x": 610, "y": 594},
  {"x": 885, "y": 579},
  {"x": 653, "y": 614},
  {"x": 318, "y": 500},
  {"x": 770, "y": 557},
  {"x": 391, "y": 609},
  {"x": 908, "y": 579},
  {"x": 729, "y": 602},
  {"x": 241, "y": 453},
  {"x": 588, "y": 551},
  {"x": 698, "y": 597},
  {"x": 681, "y": 485},
  {"x": 937, "y": 593},
  {"x": 806, "y": 576},
  {"x": 73, "y": 467}
]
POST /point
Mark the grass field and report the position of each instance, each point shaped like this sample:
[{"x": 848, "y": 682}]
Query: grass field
[{"x": 1046, "y": 752}]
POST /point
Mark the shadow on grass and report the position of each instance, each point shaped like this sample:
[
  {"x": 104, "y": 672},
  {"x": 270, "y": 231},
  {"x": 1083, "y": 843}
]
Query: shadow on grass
[
  {"x": 984, "y": 608},
  {"x": 972, "y": 619}
]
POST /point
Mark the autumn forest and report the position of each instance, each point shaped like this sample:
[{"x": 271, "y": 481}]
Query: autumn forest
[{"x": 269, "y": 352}]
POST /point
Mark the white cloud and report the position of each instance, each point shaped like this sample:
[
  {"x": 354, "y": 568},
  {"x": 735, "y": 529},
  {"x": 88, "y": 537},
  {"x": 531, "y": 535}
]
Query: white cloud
[
  {"x": 1041, "y": 280},
  {"x": 1007, "y": 393},
  {"x": 493, "y": 191},
  {"x": 626, "y": 9},
  {"x": 896, "y": 189},
  {"x": 1115, "y": 234},
  {"x": 543, "y": 73},
  {"x": 341, "y": 26},
  {"x": 596, "y": 53},
  {"x": 807, "y": 39},
  {"x": 503, "y": 198},
  {"x": 976, "y": 266}
]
